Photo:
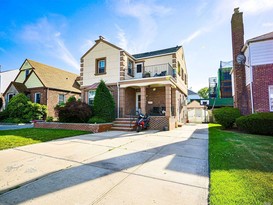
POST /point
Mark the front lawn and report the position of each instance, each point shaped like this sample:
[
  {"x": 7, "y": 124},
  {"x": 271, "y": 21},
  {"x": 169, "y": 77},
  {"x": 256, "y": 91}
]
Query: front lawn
[
  {"x": 16, "y": 138},
  {"x": 241, "y": 167}
]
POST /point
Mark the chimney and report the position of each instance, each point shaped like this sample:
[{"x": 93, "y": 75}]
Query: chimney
[{"x": 240, "y": 91}]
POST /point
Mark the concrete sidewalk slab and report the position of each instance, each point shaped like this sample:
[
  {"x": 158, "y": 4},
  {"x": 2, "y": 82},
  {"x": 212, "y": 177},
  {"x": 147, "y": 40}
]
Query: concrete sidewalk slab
[{"x": 110, "y": 168}]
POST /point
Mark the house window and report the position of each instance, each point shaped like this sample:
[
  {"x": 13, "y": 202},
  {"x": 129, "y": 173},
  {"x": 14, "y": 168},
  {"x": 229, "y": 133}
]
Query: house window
[
  {"x": 61, "y": 99},
  {"x": 10, "y": 95},
  {"x": 101, "y": 66},
  {"x": 271, "y": 98},
  {"x": 130, "y": 67},
  {"x": 179, "y": 69},
  {"x": 37, "y": 98},
  {"x": 91, "y": 97},
  {"x": 27, "y": 73}
]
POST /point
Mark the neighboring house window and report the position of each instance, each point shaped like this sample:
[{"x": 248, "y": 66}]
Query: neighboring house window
[
  {"x": 10, "y": 95},
  {"x": 130, "y": 67},
  {"x": 37, "y": 98},
  {"x": 101, "y": 66},
  {"x": 61, "y": 99},
  {"x": 27, "y": 73},
  {"x": 179, "y": 69},
  {"x": 271, "y": 98},
  {"x": 91, "y": 96}
]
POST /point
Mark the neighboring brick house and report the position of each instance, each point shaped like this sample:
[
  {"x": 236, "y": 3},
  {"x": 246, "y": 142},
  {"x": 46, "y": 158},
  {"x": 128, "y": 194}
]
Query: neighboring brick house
[
  {"x": 154, "y": 82},
  {"x": 44, "y": 84},
  {"x": 252, "y": 80}
]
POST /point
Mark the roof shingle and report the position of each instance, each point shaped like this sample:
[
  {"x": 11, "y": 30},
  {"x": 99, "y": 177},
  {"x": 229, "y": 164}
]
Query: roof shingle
[{"x": 156, "y": 53}]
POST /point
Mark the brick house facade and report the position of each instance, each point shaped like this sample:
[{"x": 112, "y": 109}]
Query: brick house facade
[
  {"x": 44, "y": 84},
  {"x": 252, "y": 80},
  {"x": 153, "y": 83}
]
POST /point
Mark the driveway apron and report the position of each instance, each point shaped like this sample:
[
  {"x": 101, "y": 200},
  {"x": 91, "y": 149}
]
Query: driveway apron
[{"x": 113, "y": 167}]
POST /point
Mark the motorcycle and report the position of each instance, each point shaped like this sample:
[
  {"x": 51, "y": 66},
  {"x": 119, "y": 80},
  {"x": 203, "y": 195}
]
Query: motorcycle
[{"x": 142, "y": 122}]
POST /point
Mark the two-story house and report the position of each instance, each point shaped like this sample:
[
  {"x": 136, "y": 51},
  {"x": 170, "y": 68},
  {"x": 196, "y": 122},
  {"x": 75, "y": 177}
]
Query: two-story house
[
  {"x": 153, "y": 82},
  {"x": 252, "y": 72},
  {"x": 44, "y": 84}
]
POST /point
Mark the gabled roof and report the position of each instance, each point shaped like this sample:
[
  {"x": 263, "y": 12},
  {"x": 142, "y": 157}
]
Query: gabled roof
[
  {"x": 267, "y": 36},
  {"x": 55, "y": 78},
  {"x": 20, "y": 87},
  {"x": 157, "y": 53},
  {"x": 195, "y": 104},
  {"x": 190, "y": 92}
]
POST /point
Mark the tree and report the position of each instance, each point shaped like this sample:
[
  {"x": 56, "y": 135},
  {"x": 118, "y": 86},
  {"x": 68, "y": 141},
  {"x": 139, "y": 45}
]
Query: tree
[
  {"x": 104, "y": 104},
  {"x": 204, "y": 93}
]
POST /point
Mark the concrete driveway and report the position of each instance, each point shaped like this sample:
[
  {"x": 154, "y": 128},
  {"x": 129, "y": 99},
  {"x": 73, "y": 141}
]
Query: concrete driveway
[{"x": 110, "y": 168}]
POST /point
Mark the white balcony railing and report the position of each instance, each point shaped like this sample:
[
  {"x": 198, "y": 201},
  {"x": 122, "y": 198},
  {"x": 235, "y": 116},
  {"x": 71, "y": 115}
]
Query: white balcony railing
[{"x": 151, "y": 71}]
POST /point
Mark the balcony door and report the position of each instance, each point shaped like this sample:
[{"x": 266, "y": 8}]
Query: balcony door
[{"x": 139, "y": 70}]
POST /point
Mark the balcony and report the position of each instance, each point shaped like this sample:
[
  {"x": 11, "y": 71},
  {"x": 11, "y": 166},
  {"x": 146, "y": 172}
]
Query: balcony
[{"x": 150, "y": 71}]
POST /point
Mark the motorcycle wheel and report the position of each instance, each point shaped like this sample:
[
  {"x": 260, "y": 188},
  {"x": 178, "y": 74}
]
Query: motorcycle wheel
[{"x": 138, "y": 129}]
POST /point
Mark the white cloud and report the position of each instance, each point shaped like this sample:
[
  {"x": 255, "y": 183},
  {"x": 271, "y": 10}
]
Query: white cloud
[
  {"x": 47, "y": 37},
  {"x": 255, "y": 6},
  {"x": 268, "y": 24},
  {"x": 123, "y": 42},
  {"x": 146, "y": 14},
  {"x": 191, "y": 37}
]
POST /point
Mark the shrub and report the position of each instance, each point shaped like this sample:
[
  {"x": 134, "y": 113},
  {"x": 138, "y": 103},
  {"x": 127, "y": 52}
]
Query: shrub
[
  {"x": 21, "y": 109},
  {"x": 104, "y": 105},
  {"x": 258, "y": 123},
  {"x": 49, "y": 119},
  {"x": 71, "y": 99},
  {"x": 74, "y": 111},
  {"x": 96, "y": 119},
  {"x": 226, "y": 116}
]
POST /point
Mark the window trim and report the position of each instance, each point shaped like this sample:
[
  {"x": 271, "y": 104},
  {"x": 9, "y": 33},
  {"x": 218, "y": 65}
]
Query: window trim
[
  {"x": 59, "y": 99},
  {"x": 132, "y": 69},
  {"x": 35, "y": 97},
  {"x": 270, "y": 102},
  {"x": 97, "y": 66},
  {"x": 9, "y": 94}
]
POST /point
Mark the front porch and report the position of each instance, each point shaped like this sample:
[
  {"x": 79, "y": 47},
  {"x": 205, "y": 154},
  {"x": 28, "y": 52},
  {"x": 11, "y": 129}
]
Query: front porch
[{"x": 163, "y": 101}]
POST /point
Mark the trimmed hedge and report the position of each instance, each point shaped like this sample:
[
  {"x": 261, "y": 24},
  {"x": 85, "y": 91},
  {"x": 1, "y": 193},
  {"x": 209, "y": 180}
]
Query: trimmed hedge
[
  {"x": 96, "y": 119},
  {"x": 226, "y": 116},
  {"x": 258, "y": 123}
]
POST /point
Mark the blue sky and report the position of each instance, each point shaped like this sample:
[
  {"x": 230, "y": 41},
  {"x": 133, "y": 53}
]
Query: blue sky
[{"x": 59, "y": 32}]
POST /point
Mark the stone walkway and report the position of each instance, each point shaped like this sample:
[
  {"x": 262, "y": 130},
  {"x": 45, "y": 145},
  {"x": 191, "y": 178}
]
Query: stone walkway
[{"x": 110, "y": 168}]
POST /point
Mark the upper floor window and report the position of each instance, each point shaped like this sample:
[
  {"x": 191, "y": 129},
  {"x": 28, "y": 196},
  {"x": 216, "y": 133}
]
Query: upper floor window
[
  {"x": 270, "y": 98},
  {"x": 27, "y": 73},
  {"x": 130, "y": 67},
  {"x": 61, "y": 99},
  {"x": 101, "y": 66},
  {"x": 37, "y": 98}
]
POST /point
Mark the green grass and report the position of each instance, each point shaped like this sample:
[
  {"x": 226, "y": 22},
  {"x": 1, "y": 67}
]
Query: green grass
[
  {"x": 21, "y": 137},
  {"x": 241, "y": 167}
]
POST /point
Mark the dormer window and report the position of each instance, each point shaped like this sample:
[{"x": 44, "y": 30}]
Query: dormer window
[{"x": 101, "y": 66}]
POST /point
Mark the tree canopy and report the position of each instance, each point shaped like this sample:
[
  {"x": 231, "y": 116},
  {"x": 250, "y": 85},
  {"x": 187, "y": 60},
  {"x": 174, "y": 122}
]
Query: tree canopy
[{"x": 204, "y": 93}]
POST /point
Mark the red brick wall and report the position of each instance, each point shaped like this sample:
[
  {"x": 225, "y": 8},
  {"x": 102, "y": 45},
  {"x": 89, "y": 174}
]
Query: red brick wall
[
  {"x": 130, "y": 100},
  {"x": 157, "y": 97},
  {"x": 53, "y": 100},
  {"x": 262, "y": 78},
  {"x": 43, "y": 93},
  {"x": 75, "y": 126}
]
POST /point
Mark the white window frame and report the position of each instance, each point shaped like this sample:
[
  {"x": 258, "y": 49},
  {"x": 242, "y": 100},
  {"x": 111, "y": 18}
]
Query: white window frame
[
  {"x": 270, "y": 93},
  {"x": 91, "y": 95},
  {"x": 63, "y": 99},
  {"x": 35, "y": 98},
  {"x": 9, "y": 94}
]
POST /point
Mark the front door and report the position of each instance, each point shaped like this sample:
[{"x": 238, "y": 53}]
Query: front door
[
  {"x": 138, "y": 70},
  {"x": 138, "y": 103}
]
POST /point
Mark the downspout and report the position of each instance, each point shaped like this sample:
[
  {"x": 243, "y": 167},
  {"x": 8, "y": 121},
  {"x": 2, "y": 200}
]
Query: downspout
[
  {"x": 118, "y": 86},
  {"x": 251, "y": 80}
]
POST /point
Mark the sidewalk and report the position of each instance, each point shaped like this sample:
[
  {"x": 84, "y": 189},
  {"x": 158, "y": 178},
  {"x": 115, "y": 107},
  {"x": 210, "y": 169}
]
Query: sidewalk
[{"x": 110, "y": 168}]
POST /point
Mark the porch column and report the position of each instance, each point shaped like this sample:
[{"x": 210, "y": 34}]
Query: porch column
[
  {"x": 143, "y": 99},
  {"x": 121, "y": 102},
  {"x": 168, "y": 100}
]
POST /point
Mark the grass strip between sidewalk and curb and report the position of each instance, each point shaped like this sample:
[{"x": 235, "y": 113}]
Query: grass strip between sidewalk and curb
[
  {"x": 21, "y": 137},
  {"x": 241, "y": 167}
]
